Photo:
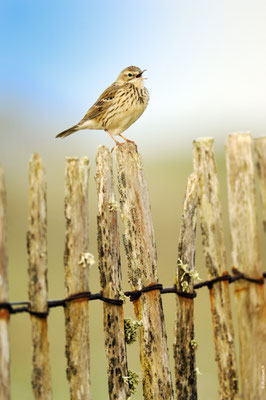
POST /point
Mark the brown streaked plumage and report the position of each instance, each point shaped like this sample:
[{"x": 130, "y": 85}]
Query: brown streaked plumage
[{"x": 118, "y": 107}]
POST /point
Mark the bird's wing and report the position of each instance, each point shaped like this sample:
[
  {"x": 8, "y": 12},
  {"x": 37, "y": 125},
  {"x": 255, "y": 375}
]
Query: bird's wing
[{"x": 102, "y": 104}]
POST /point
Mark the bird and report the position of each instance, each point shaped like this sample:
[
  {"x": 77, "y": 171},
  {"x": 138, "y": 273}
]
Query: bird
[{"x": 118, "y": 107}]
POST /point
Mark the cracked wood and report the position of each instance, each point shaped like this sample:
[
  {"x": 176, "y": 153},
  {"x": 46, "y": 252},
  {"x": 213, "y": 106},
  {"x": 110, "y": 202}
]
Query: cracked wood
[
  {"x": 110, "y": 277},
  {"x": 184, "y": 351},
  {"x": 77, "y": 277},
  {"x": 139, "y": 241},
  {"x": 245, "y": 255},
  {"x": 38, "y": 285},
  {"x": 214, "y": 252}
]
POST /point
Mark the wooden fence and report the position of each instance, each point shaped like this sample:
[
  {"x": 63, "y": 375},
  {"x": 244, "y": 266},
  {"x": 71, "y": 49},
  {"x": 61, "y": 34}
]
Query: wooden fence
[{"x": 202, "y": 204}]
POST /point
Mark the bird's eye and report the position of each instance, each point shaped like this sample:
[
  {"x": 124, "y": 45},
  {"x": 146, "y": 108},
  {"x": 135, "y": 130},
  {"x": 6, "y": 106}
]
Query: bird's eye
[{"x": 130, "y": 75}]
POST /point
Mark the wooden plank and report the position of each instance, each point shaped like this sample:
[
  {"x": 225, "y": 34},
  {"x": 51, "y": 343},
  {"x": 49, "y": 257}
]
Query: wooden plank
[
  {"x": 77, "y": 262},
  {"x": 141, "y": 254},
  {"x": 245, "y": 255},
  {"x": 4, "y": 313},
  {"x": 110, "y": 277},
  {"x": 184, "y": 341},
  {"x": 260, "y": 150},
  {"x": 38, "y": 285},
  {"x": 214, "y": 251}
]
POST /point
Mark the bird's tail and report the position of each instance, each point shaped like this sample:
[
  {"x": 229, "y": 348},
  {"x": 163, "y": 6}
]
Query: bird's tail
[{"x": 68, "y": 132}]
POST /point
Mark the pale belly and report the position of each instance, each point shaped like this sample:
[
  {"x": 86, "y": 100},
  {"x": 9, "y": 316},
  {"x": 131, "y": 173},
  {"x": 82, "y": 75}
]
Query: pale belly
[{"x": 122, "y": 121}]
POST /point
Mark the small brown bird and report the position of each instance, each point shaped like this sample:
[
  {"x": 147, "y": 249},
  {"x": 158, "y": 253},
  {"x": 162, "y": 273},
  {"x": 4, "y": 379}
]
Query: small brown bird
[{"x": 118, "y": 107}]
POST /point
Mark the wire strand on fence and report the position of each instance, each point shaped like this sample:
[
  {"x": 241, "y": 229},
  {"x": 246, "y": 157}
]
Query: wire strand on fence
[{"x": 17, "y": 307}]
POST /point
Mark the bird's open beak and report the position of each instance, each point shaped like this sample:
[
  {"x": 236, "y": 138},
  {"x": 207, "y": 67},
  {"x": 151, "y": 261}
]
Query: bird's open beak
[{"x": 140, "y": 74}]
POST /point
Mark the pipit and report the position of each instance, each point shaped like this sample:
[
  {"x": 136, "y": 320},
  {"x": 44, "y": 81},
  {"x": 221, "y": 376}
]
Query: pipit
[{"x": 118, "y": 107}]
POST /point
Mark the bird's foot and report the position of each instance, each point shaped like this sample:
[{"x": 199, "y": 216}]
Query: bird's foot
[
  {"x": 129, "y": 141},
  {"x": 114, "y": 139},
  {"x": 117, "y": 144}
]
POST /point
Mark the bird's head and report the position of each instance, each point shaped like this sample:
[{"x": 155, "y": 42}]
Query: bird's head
[{"x": 131, "y": 74}]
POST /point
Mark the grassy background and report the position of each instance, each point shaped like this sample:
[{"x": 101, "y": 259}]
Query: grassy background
[{"x": 166, "y": 182}]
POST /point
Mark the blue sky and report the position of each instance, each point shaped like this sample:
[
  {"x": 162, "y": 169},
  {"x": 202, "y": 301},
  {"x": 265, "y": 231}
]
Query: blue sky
[{"x": 205, "y": 61}]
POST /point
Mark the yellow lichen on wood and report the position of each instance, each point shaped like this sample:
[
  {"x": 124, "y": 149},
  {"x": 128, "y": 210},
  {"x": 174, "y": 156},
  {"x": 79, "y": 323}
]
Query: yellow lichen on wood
[
  {"x": 4, "y": 314},
  {"x": 110, "y": 278},
  {"x": 214, "y": 252},
  {"x": 38, "y": 285},
  {"x": 184, "y": 342},
  {"x": 245, "y": 255},
  {"x": 76, "y": 277},
  {"x": 139, "y": 241}
]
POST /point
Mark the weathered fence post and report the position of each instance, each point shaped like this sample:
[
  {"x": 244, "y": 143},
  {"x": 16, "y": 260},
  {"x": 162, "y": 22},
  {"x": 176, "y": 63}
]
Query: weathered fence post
[
  {"x": 4, "y": 313},
  {"x": 38, "y": 285},
  {"x": 214, "y": 251},
  {"x": 141, "y": 254},
  {"x": 110, "y": 277},
  {"x": 77, "y": 262},
  {"x": 245, "y": 254},
  {"x": 184, "y": 342},
  {"x": 260, "y": 149}
]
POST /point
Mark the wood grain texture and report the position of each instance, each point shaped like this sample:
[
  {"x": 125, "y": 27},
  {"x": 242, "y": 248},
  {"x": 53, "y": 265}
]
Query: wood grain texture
[
  {"x": 245, "y": 255},
  {"x": 141, "y": 254},
  {"x": 260, "y": 151},
  {"x": 4, "y": 314},
  {"x": 214, "y": 252},
  {"x": 110, "y": 277},
  {"x": 77, "y": 277},
  {"x": 38, "y": 285},
  {"x": 184, "y": 341}
]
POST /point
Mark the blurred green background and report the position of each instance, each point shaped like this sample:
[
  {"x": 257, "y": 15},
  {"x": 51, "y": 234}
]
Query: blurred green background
[{"x": 206, "y": 65}]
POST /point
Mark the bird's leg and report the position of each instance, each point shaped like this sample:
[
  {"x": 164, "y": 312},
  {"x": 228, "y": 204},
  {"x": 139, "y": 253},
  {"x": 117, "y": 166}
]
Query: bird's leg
[
  {"x": 117, "y": 143},
  {"x": 127, "y": 140}
]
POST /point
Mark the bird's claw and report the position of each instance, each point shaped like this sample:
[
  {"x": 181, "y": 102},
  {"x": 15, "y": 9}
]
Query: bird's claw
[
  {"x": 117, "y": 144},
  {"x": 120, "y": 144}
]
